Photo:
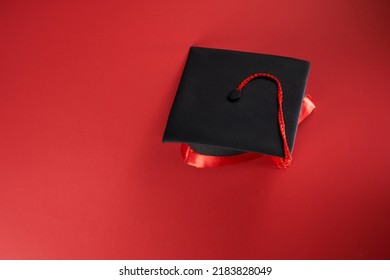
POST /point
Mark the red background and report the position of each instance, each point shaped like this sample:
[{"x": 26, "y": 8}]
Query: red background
[{"x": 85, "y": 92}]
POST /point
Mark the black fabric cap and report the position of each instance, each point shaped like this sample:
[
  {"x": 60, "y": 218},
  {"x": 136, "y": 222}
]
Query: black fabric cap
[{"x": 214, "y": 119}]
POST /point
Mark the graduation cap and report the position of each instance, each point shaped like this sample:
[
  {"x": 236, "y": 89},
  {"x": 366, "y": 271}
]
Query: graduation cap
[{"x": 233, "y": 106}]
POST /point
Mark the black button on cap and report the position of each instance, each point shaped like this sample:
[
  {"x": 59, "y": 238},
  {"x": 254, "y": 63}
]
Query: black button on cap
[{"x": 234, "y": 95}]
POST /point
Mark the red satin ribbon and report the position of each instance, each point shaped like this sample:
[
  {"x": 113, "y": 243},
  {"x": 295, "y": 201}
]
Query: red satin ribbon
[{"x": 202, "y": 161}]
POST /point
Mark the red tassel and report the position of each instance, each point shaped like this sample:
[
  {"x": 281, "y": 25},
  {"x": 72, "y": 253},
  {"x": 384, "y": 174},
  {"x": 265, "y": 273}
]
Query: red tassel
[{"x": 286, "y": 161}]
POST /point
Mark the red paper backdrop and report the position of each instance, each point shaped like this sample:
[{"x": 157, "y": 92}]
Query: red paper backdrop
[{"x": 85, "y": 92}]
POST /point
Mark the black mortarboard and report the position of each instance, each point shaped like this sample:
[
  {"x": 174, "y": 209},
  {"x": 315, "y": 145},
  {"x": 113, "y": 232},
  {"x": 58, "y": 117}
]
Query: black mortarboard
[{"x": 229, "y": 102}]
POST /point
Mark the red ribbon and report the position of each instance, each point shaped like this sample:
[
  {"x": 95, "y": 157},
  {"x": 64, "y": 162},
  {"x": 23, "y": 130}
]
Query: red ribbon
[{"x": 202, "y": 161}]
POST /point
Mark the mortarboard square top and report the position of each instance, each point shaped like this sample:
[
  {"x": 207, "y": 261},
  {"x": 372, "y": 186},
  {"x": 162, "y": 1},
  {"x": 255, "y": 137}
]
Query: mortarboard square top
[{"x": 216, "y": 115}]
